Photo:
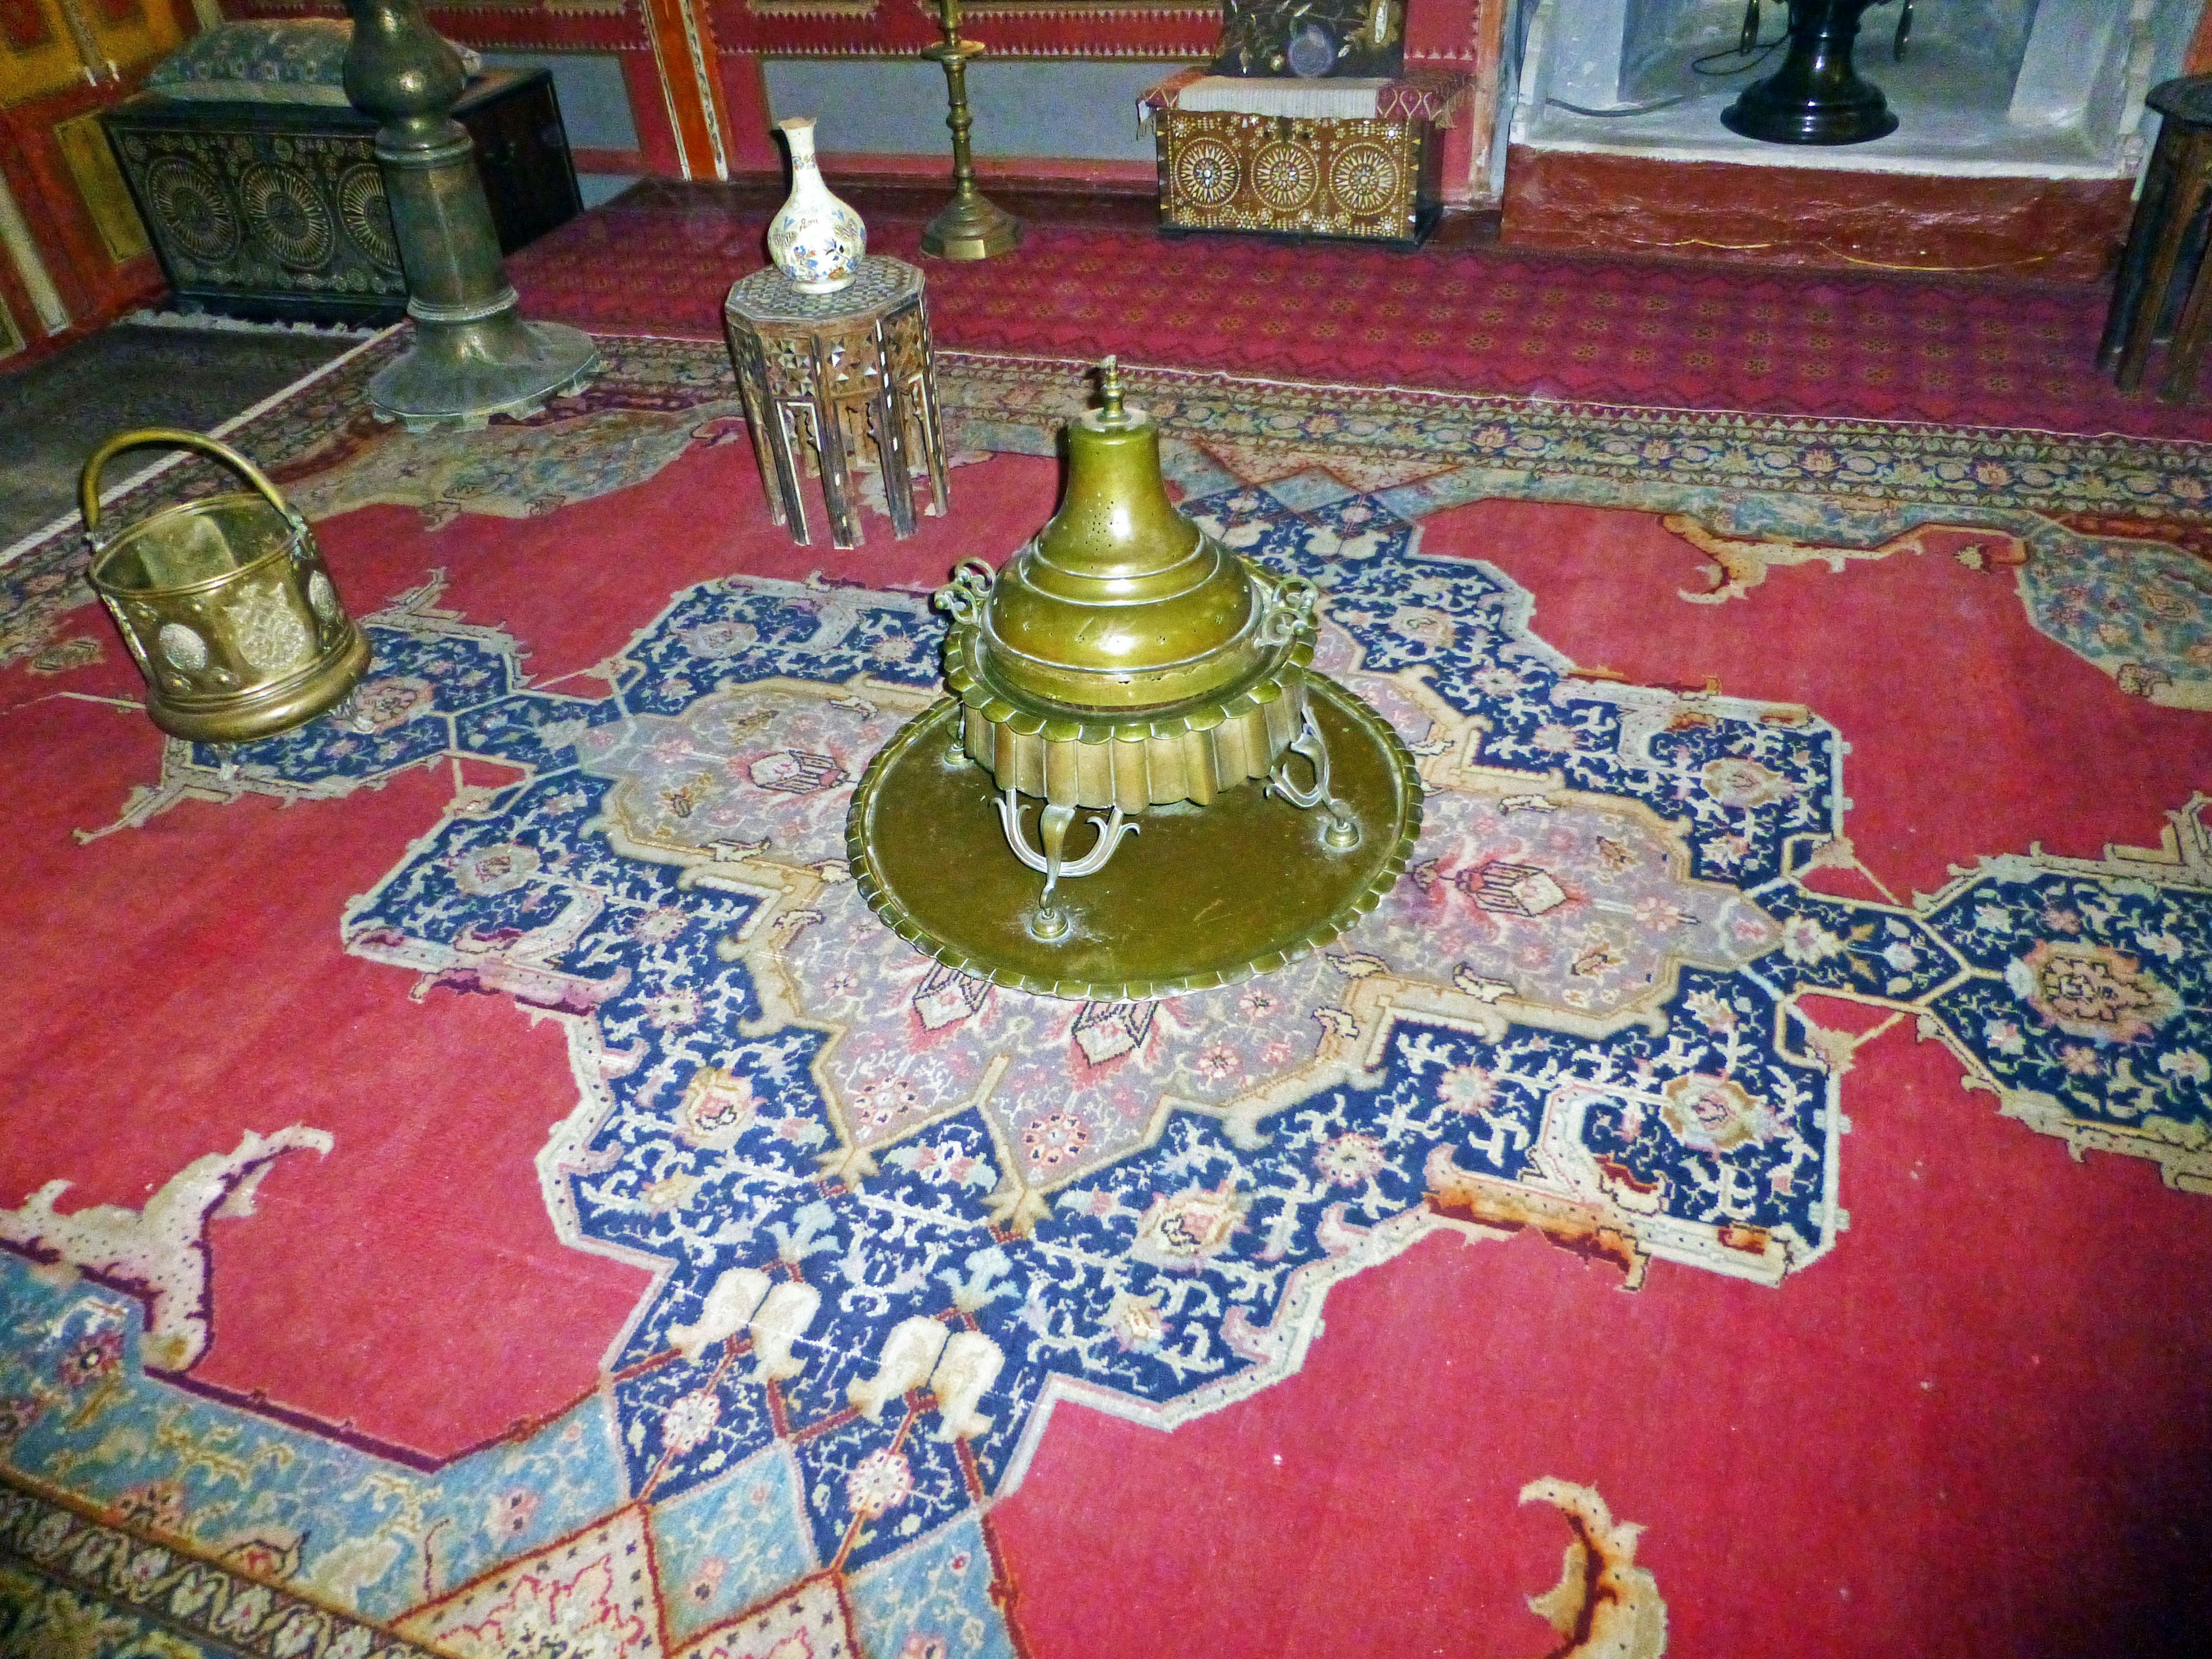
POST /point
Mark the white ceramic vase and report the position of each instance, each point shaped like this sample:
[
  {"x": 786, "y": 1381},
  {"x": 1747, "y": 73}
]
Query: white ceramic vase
[{"x": 814, "y": 239}]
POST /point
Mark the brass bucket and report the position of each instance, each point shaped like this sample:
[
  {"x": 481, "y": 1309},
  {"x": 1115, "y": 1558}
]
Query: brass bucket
[{"x": 225, "y": 602}]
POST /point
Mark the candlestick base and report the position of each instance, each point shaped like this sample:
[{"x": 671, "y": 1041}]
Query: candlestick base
[
  {"x": 457, "y": 376},
  {"x": 1817, "y": 97},
  {"x": 970, "y": 227}
]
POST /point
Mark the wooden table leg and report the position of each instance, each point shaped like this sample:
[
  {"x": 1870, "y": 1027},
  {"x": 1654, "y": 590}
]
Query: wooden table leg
[
  {"x": 786, "y": 465},
  {"x": 889, "y": 415},
  {"x": 2194, "y": 331},
  {"x": 836, "y": 475},
  {"x": 924, "y": 394},
  {"x": 752, "y": 388},
  {"x": 2121, "y": 321},
  {"x": 2192, "y": 176}
]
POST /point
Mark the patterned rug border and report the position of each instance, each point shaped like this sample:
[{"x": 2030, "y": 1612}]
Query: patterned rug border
[
  {"x": 2043, "y": 471},
  {"x": 80, "y": 1547},
  {"x": 1425, "y": 452},
  {"x": 1924, "y": 463}
]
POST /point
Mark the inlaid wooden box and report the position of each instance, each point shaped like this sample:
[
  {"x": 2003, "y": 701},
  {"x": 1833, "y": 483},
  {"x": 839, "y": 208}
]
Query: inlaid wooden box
[
  {"x": 1376, "y": 180},
  {"x": 278, "y": 209}
]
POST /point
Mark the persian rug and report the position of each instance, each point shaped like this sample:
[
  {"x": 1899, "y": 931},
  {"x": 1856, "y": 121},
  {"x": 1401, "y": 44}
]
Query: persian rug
[
  {"x": 1875, "y": 343},
  {"x": 477, "y": 1181}
]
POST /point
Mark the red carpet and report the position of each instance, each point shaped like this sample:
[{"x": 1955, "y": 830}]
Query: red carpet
[
  {"x": 1879, "y": 345},
  {"x": 1719, "y": 1218}
]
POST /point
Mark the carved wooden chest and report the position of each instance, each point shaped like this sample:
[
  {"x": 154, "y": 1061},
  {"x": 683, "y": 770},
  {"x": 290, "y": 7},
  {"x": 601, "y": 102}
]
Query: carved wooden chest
[
  {"x": 1374, "y": 180},
  {"x": 277, "y": 209}
]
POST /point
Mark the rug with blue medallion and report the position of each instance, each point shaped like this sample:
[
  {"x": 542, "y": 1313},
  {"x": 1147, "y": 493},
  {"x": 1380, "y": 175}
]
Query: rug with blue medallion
[{"x": 481, "y": 1183}]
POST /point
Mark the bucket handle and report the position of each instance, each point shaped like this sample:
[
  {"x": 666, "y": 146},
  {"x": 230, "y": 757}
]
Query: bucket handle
[{"x": 213, "y": 448}]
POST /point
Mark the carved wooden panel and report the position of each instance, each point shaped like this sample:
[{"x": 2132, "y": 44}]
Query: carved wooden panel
[
  {"x": 1373, "y": 179},
  {"x": 281, "y": 208}
]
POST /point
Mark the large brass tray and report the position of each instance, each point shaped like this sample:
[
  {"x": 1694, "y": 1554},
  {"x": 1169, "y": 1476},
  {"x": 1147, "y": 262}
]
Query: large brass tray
[{"x": 1202, "y": 896}]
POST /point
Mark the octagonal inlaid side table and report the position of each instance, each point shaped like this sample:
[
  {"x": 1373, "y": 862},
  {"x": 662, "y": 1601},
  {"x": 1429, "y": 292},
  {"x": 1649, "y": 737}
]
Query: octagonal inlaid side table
[{"x": 833, "y": 379}]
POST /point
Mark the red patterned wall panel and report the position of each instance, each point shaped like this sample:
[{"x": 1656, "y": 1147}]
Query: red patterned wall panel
[{"x": 1014, "y": 28}]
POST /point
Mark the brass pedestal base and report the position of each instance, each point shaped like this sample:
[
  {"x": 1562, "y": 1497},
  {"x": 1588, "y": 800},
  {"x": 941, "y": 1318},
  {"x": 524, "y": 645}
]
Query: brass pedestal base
[
  {"x": 970, "y": 227},
  {"x": 458, "y": 375},
  {"x": 1202, "y": 896},
  {"x": 1817, "y": 97}
]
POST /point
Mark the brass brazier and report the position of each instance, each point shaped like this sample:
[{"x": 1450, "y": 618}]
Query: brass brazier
[
  {"x": 1126, "y": 663},
  {"x": 225, "y": 602}
]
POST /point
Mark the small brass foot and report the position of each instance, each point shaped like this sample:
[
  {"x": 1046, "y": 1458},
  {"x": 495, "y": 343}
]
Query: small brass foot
[
  {"x": 1052, "y": 830},
  {"x": 1343, "y": 832},
  {"x": 1051, "y": 859}
]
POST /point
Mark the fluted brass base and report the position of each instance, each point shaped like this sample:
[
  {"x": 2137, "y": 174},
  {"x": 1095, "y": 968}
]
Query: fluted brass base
[
  {"x": 456, "y": 375},
  {"x": 1201, "y": 897},
  {"x": 970, "y": 227}
]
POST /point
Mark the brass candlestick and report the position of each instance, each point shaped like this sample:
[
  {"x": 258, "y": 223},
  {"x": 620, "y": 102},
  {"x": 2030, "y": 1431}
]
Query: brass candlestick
[
  {"x": 970, "y": 226},
  {"x": 473, "y": 357}
]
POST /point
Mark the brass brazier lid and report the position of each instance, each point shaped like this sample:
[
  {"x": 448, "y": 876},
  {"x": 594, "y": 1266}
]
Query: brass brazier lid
[
  {"x": 1128, "y": 661},
  {"x": 1122, "y": 603}
]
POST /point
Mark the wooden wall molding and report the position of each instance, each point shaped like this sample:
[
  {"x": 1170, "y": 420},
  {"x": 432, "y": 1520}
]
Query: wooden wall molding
[{"x": 684, "y": 50}]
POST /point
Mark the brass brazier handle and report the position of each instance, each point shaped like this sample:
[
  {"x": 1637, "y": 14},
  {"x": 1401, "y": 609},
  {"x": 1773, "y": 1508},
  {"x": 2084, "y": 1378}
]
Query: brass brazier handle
[{"x": 146, "y": 437}]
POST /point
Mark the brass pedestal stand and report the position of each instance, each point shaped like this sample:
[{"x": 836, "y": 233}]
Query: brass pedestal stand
[
  {"x": 970, "y": 226},
  {"x": 1816, "y": 97},
  {"x": 473, "y": 357}
]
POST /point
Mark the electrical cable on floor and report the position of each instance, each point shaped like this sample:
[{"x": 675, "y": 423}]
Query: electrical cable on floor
[{"x": 1753, "y": 56}]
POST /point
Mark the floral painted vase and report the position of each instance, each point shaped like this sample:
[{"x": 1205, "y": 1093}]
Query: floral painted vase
[{"x": 814, "y": 239}]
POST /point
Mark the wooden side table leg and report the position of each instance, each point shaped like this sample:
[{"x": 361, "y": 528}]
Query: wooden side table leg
[
  {"x": 924, "y": 395},
  {"x": 2122, "y": 321},
  {"x": 759, "y": 424},
  {"x": 888, "y": 417},
  {"x": 2194, "y": 331},
  {"x": 836, "y": 475},
  {"x": 2193, "y": 170},
  {"x": 786, "y": 465}
]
